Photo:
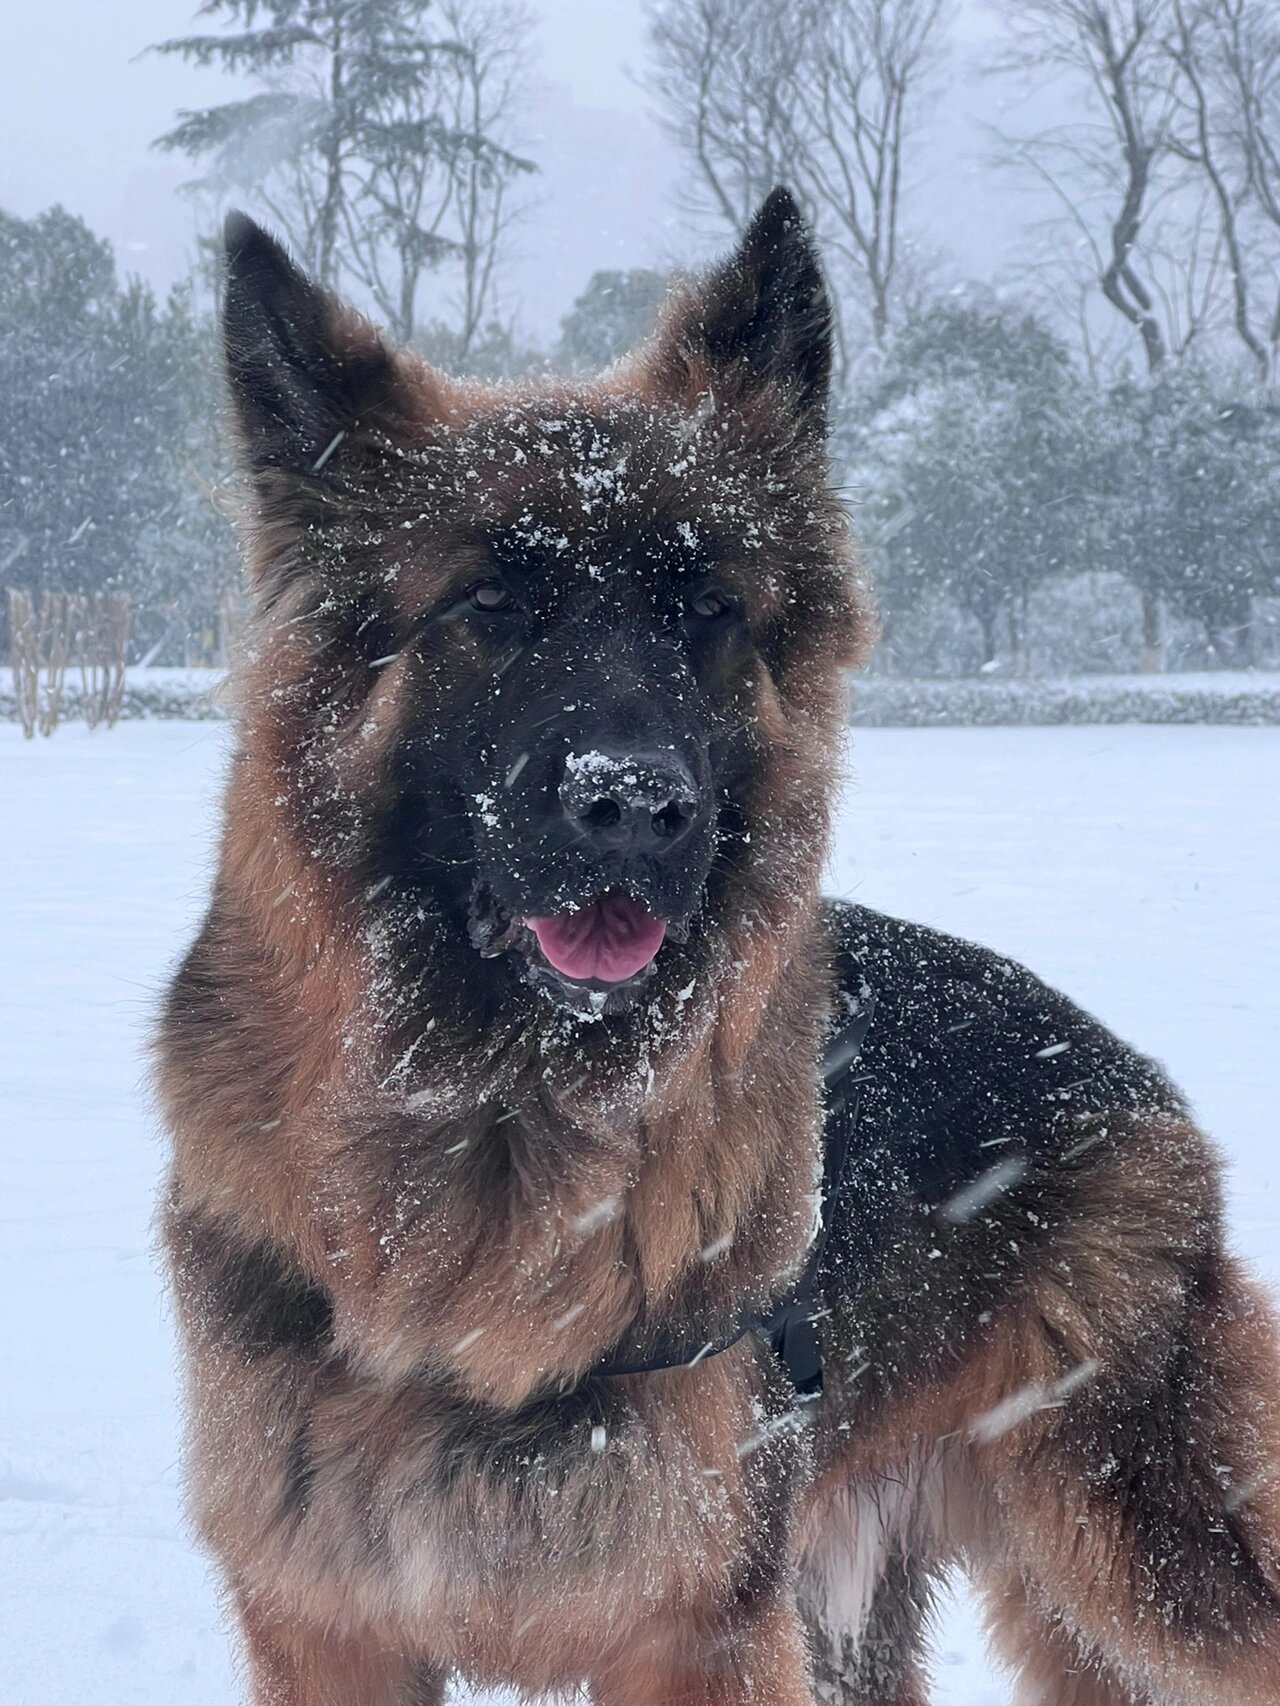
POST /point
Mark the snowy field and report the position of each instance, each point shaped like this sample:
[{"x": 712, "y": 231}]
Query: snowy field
[{"x": 1135, "y": 867}]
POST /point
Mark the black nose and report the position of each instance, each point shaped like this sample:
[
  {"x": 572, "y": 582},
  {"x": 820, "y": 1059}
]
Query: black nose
[{"x": 632, "y": 803}]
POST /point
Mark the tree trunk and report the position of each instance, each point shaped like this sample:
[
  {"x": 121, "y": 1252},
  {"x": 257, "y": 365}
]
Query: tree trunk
[
  {"x": 1230, "y": 636},
  {"x": 1246, "y": 636},
  {"x": 988, "y": 620},
  {"x": 408, "y": 300},
  {"x": 327, "y": 233},
  {"x": 879, "y": 314},
  {"x": 1152, "y": 633}
]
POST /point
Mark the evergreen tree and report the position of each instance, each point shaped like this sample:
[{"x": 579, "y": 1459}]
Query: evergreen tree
[
  {"x": 1187, "y": 471},
  {"x": 969, "y": 458},
  {"x": 368, "y": 142},
  {"x": 613, "y": 314},
  {"x": 107, "y": 443}
]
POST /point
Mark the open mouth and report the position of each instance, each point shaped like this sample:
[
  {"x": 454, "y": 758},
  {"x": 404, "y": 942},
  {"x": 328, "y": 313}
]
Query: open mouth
[
  {"x": 606, "y": 947},
  {"x": 606, "y": 942}
]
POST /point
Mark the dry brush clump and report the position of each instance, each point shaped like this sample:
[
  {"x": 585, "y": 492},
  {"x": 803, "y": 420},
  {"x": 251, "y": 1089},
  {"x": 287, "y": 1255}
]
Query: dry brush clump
[{"x": 62, "y": 629}]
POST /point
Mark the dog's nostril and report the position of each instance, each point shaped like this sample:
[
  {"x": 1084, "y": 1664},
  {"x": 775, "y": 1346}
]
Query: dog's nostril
[
  {"x": 602, "y": 814},
  {"x": 673, "y": 817}
]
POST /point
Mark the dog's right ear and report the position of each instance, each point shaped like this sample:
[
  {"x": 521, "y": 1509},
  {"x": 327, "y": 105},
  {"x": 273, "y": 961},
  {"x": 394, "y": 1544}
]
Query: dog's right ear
[{"x": 306, "y": 373}]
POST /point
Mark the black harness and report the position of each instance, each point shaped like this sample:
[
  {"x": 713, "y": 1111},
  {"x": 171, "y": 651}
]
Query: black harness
[{"x": 789, "y": 1322}]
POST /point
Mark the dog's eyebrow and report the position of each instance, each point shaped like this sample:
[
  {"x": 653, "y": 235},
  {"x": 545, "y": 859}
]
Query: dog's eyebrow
[
  {"x": 683, "y": 547},
  {"x": 482, "y": 560},
  {"x": 414, "y": 624},
  {"x": 526, "y": 547}
]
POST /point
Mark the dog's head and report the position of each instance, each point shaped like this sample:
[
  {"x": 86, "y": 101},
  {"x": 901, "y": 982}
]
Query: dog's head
[{"x": 553, "y": 676}]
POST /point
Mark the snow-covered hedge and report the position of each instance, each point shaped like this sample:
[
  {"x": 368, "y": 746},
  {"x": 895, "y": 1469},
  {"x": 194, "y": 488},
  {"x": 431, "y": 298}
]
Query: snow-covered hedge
[
  {"x": 1230, "y": 697},
  {"x": 189, "y": 695},
  {"x": 195, "y": 695}
]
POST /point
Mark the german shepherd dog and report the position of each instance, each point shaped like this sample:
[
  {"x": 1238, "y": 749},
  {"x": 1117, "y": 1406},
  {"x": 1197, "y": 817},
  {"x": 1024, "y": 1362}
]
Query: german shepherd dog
[{"x": 500, "y": 1129}]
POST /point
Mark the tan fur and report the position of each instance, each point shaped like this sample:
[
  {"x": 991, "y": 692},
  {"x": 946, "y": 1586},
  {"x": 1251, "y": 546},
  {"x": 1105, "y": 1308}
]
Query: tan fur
[
  {"x": 327, "y": 1669},
  {"x": 687, "y": 1664}
]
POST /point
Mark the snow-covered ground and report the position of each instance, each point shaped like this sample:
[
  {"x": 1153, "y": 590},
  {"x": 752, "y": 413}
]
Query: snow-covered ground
[{"x": 1136, "y": 867}]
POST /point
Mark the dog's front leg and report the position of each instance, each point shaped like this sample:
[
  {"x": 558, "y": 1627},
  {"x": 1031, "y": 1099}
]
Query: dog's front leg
[
  {"x": 291, "y": 1663},
  {"x": 746, "y": 1652}
]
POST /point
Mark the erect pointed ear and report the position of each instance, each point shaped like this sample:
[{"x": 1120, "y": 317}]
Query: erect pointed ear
[
  {"x": 305, "y": 372},
  {"x": 760, "y": 319}
]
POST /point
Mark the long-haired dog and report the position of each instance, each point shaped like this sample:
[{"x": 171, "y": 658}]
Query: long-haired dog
[{"x": 552, "y": 1315}]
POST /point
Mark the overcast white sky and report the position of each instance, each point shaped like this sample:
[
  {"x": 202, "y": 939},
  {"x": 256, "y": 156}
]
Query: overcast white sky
[{"x": 78, "y": 109}]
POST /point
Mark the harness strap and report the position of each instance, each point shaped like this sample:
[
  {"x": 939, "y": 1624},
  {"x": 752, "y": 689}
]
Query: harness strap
[{"x": 789, "y": 1322}]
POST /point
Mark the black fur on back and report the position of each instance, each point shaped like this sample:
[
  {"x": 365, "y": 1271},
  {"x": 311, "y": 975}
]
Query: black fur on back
[{"x": 986, "y": 1099}]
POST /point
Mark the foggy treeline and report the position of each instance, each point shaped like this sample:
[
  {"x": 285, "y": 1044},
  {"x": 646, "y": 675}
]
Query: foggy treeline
[{"x": 1076, "y": 468}]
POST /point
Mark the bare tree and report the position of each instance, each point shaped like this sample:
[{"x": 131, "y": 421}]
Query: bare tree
[
  {"x": 483, "y": 101},
  {"x": 1104, "y": 169},
  {"x": 1199, "y": 140},
  {"x": 1228, "y": 52},
  {"x": 1249, "y": 44},
  {"x": 722, "y": 74},
  {"x": 1113, "y": 175},
  {"x": 816, "y": 93},
  {"x": 863, "y": 67}
]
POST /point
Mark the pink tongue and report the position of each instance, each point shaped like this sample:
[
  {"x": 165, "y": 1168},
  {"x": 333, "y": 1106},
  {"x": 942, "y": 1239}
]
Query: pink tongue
[{"x": 612, "y": 939}]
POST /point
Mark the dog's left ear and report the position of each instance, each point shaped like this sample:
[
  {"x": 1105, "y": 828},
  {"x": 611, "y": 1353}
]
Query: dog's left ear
[{"x": 762, "y": 319}]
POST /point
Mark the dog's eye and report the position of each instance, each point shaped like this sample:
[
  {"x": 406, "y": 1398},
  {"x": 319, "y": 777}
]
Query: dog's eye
[
  {"x": 490, "y": 596},
  {"x": 709, "y": 604}
]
